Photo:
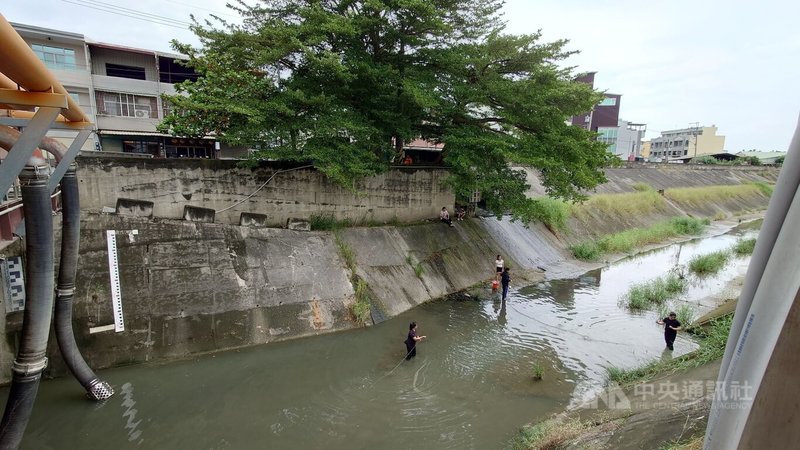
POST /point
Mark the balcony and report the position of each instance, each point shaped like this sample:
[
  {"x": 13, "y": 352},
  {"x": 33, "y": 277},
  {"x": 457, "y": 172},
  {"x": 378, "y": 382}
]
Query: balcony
[
  {"x": 132, "y": 86},
  {"x": 126, "y": 123}
]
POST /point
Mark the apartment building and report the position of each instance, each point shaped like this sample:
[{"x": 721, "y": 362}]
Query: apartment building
[
  {"x": 66, "y": 55},
  {"x": 120, "y": 89},
  {"x": 624, "y": 140},
  {"x": 687, "y": 142},
  {"x": 604, "y": 115}
]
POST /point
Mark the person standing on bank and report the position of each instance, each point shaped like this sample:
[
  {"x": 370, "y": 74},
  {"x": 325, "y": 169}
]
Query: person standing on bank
[
  {"x": 671, "y": 328},
  {"x": 498, "y": 267},
  {"x": 505, "y": 280},
  {"x": 411, "y": 340}
]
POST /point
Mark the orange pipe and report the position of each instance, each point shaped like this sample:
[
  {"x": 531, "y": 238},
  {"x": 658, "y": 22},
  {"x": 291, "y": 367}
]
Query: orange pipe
[
  {"x": 7, "y": 83},
  {"x": 17, "y": 114},
  {"x": 9, "y": 136},
  {"x": 21, "y": 65}
]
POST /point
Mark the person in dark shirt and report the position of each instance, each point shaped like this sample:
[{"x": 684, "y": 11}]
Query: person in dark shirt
[
  {"x": 671, "y": 328},
  {"x": 411, "y": 340},
  {"x": 504, "y": 280}
]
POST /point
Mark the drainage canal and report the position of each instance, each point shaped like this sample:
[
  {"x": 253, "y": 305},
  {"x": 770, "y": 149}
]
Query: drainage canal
[{"x": 471, "y": 385}]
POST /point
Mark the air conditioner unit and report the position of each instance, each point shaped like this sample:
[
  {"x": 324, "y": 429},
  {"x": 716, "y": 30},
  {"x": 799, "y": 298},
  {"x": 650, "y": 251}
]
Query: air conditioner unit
[{"x": 142, "y": 114}]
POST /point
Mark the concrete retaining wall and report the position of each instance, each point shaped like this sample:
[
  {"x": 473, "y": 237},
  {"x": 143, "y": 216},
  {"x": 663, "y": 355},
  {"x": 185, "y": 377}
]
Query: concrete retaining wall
[
  {"x": 405, "y": 194},
  {"x": 191, "y": 287},
  {"x": 194, "y": 287}
]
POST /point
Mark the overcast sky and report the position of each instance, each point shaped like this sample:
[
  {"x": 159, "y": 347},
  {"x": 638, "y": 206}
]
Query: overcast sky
[{"x": 731, "y": 63}]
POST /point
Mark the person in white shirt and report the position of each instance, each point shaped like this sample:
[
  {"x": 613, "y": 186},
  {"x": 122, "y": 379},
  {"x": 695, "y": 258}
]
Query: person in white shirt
[
  {"x": 444, "y": 216},
  {"x": 499, "y": 264}
]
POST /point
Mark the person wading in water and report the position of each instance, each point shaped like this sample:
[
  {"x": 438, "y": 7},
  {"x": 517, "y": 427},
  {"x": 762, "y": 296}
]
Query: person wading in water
[
  {"x": 505, "y": 279},
  {"x": 671, "y": 328},
  {"x": 411, "y": 341}
]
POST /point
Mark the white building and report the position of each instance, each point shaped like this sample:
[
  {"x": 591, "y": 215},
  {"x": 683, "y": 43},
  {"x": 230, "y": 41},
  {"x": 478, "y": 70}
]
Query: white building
[
  {"x": 624, "y": 140},
  {"x": 691, "y": 142}
]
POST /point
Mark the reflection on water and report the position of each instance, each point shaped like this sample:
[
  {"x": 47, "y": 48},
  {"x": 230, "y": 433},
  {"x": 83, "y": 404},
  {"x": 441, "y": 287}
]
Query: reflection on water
[{"x": 471, "y": 385}]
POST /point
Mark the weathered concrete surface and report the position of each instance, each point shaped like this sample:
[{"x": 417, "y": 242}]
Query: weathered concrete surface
[
  {"x": 134, "y": 207},
  {"x": 191, "y": 287},
  {"x": 450, "y": 258},
  {"x": 665, "y": 176},
  {"x": 406, "y": 194},
  {"x": 653, "y": 419}
]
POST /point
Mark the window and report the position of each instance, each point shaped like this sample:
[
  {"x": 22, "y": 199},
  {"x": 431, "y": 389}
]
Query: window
[
  {"x": 127, "y": 105},
  {"x": 118, "y": 70},
  {"x": 75, "y": 97},
  {"x": 608, "y": 101},
  {"x": 55, "y": 57},
  {"x": 608, "y": 135},
  {"x": 166, "y": 107},
  {"x": 151, "y": 148},
  {"x": 190, "y": 148}
]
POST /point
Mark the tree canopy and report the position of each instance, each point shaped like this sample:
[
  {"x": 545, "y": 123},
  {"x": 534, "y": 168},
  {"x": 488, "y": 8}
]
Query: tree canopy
[{"x": 346, "y": 83}]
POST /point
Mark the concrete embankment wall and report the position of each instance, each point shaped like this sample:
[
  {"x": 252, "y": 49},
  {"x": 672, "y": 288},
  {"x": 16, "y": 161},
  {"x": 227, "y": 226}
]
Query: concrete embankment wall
[
  {"x": 665, "y": 176},
  {"x": 595, "y": 222},
  {"x": 190, "y": 288},
  {"x": 404, "y": 194}
]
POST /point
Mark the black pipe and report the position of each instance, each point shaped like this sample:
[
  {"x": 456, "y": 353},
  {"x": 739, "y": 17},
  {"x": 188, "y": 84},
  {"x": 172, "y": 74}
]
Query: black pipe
[
  {"x": 31, "y": 360},
  {"x": 70, "y": 238}
]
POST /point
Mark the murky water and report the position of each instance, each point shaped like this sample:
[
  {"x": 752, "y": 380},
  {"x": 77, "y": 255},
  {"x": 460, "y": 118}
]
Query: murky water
[{"x": 470, "y": 386}]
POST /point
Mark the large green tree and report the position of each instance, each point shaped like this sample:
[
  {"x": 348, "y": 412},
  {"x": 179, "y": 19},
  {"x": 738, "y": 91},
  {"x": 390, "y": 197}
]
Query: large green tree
[{"x": 345, "y": 83}]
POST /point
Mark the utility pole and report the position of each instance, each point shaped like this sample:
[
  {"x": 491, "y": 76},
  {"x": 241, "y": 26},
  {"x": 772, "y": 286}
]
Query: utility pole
[{"x": 695, "y": 126}]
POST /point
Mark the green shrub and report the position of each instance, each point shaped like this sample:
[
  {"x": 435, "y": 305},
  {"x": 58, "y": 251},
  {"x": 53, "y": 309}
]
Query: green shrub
[
  {"x": 685, "y": 313},
  {"x": 689, "y": 225},
  {"x": 655, "y": 292},
  {"x": 710, "y": 263},
  {"x": 586, "y": 251},
  {"x": 551, "y": 434},
  {"x": 346, "y": 251},
  {"x": 327, "y": 221},
  {"x": 626, "y": 241},
  {"x": 537, "y": 371},
  {"x": 551, "y": 212},
  {"x": 765, "y": 188},
  {"x": 625, "y": 204},
  {"x": 705, "y": 160},
  {"x": 718, "y": 193},
  {"x": 361, "y": 308},
  {"x": 641, "y": 187},
  {"x": 744, "y": 247},
  {"x": 419, "y": 270}
]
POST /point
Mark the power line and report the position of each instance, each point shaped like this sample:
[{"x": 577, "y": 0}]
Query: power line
[
  {"x": 133, "y": 14},
  {"x": 203, "y": 9},
  {"x": 146, "y": 15}
]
